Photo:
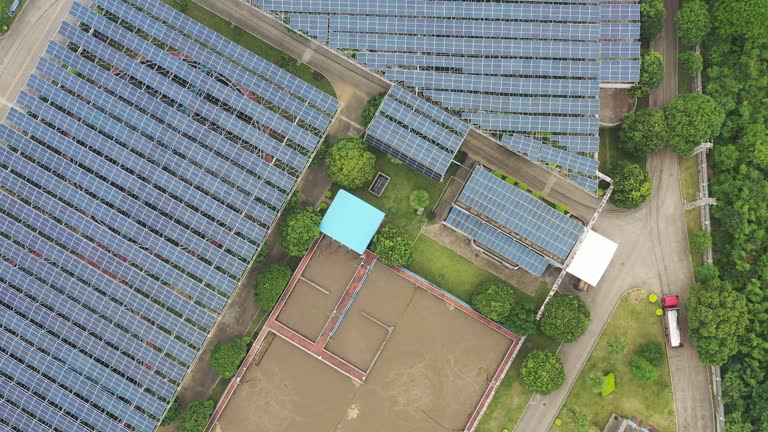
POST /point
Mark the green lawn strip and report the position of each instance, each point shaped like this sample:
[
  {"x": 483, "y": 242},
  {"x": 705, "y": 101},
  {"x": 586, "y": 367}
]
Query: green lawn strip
[
  {"x": 218, "y": 390},
  {"x": 255, "y": 45},
  {"x": 257, "y": 323},
  {"x": 8, "y": 20},
  {"x": 635, "y": 321},
  {"x": 683, "y": 83},
  {"x": 394, "y": 201},
  {"x": 693, "y": 221},
  {"x": 610, "y": 153},
  {"x": 689, "y": 177}
]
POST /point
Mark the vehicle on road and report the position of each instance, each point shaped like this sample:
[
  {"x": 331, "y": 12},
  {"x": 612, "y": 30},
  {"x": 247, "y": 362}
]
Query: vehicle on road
[
  {"x": 670, "y": 305},
  {"x": 12, "y": 9}
]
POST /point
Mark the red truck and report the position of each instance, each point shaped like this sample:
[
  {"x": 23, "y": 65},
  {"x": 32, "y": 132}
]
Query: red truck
[{"x": 670, "y": 305}]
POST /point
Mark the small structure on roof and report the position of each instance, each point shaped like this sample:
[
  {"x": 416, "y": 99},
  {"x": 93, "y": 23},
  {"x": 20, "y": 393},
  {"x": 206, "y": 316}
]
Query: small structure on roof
[
  {"x": 351, "y": 221},
  {"x": 592, "y": 258}
]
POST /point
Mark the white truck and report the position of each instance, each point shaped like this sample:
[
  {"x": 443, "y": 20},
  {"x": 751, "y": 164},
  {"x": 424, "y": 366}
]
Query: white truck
[{"x": 670, "y": 305}]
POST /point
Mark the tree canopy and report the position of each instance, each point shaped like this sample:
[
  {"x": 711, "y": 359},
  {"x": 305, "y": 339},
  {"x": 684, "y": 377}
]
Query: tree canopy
[
  {"x": 195, "y": 416},
  {"x": 300, "y": 229},
  {"x": 699, "y": 241},
  {"x": 270, "y": 284},
  {"x": 370, "y": 109},
  {"x": 642, "y": 369},
  {"x": 350, "y": 164},
  {"x": 494, "y": 300},
  {"x": 651, "y": 73},
  {"x": 652, "y": 17},
  {"x": 693, "y": 22},
  {"x": 227, "y": 356},
  {"x": 690, "y": 62},
  {"x": 717, "y": 317},
  {"x": 542, "y": 372},
  {"x": 631, "y": 185},
  {"x": 653, "y": 352},
  {"x": 521, "y": 319},
  {"x": 643, "y": 132},
  {"x": 393, "y": 246},
  {"x": 617, "y": 346},
  {"x": 172, "y": 414},
  {"x": 691, "y": 120},
  {"x": 565, "y": 318}
]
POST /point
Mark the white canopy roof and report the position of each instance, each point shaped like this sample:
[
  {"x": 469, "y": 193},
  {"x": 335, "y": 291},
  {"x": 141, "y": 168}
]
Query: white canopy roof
[{"x": 592, "y": 258}]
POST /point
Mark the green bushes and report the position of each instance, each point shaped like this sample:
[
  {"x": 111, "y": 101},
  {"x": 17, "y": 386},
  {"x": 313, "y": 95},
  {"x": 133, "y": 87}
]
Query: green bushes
[
  {"x": 690, "y": 62},
  {"x": 651, "y": 74},
  {"x": 350, "y": 164},
  {"x": 542, "y": 372},
  {"x": 370, "y": 109},
  {"x": 643, "y": 132},
  {"x": 419, "y": 199},
  {"x": 392, "y": 246},
  {"x": 521, "y": 319},
  {"x": 565, "y": 318},
  {"x": 693, "y": 22},
  {"x": 195, "y": 417},
  {"x": 494, "y": 300},
  {"x": 609, "y": 385},
  {"x": 653, "y": 352},
  {"x": 631, "y": 185},
  {"x": 699, "y": 241},
  {"x": 642, "y": 369},
  {"x": 172, "y": 414},
  {"x": 652, "y": 17},
  {"x": 617, "y": 346},
  {"x": 300, "y": 229},
  {"x": 227, "y": 356},
  {"x": 270, "y": 284}
]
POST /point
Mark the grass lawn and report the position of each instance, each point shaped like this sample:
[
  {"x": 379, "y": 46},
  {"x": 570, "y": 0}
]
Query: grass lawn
[
  {"x": 394, "y": 201},
  {"x": 219, "y": 389},
  {"x": 610, "y": 153},
  {"x": 689, "y": 177},
  {"x": 683, "y": 83},
  {"x": 253, "y": 44},
  {"x": 635, "y": 321},
  {"x": 693, "y": 221},
  {"x": 6, "y": 20}
]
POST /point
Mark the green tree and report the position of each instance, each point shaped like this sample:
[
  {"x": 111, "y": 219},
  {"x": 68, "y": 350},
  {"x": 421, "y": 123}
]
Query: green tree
[
  {"x": 690, "y": 62},
  {"x": 641, "y": 369},
  {"x": 419, "y": 199},
  {"x": 595, "y": 381},
  {"x": 754, "y": 142},
  {"x": 717, "y": 317},
  {"x": 726, "y": 157},
  {"x": 651, "y": 73},
  {"x": 578, "y": 418},
  {"x": 653, "y": 352},
  {"x": 643, "y": 132},
  {"x": 631, "y": 185},
  {"x": 270, "y": 284},
  {"x": 706, "y": 273},
  {"x": 350, "y": 164},
  {"x": 392, "y": 246},
  {"x": 172, "y": 414},
  {"x": 227, "y": 356},
  {"x": 195, "y": 416},
  {"x": 565, "y": 318},
  {"x": 699, "y": 241},
  {"x": 693, "y": 22},
  {"x": 735, "y": 422},
  {"x": 262, "y": 255},
  {"x": 542, "y": 372},
  {"x": 691, "y": 120},
  {"x": 300, "y": 229},
  {"x": 521, "y": 319},
  {"x": 370, "y": 109},
  {"x": 494, "y": 300},
  {"x": 652, "y": 17},
  {"x": 617, "y": 346}
]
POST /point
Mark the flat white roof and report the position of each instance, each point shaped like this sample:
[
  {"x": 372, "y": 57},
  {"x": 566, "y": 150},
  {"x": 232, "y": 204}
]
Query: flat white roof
[{"x": 592, "y": 258}]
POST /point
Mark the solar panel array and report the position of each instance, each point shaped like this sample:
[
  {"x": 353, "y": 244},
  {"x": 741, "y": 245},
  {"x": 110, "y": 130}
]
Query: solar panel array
[
  {"x": 519, "y": 213},
  {"x": 423, "y": 136},
  {"x": 530, "y": 67},
  {"x": 136, "y": 185}
]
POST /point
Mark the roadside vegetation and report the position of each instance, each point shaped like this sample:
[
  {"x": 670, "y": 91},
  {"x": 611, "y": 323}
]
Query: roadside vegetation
[
  {"x": 370, "y": 109},
  {"x": 626, "y": 373}
]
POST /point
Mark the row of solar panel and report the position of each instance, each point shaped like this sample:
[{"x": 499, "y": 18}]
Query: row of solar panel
[
  {"x": 455, "y": 126},
  {"x": 526, "y": 123},
  {"x": 504, "y": 85},
  {"x": 620, "y": 50},
  {"x": 398, "y": 153},
  {"x": 578, "y": 143},
  {"x": 619, "y": 71},
  {"x": 240, "y": 55},
  {"x": 619, "y": 11},
  {"x": 587, "y": 183},
  {"x": 621, "y": 30},
  {"x": 420, "y": 125},
  {"x": 535, "y": 11},
  {"x": 465, "y": 46},
  {"x": 515, "y": 104},
  {"x": 487, "y": 66},
  {"x": 520, "y": 212},
  {"x": 496, "y": 241},
  {"x": 537, "y": 150}
]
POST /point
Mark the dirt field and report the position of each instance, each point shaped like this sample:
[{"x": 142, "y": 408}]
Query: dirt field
[{"x": 434, "y": 360}]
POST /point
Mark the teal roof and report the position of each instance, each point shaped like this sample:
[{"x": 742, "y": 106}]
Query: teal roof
[{"x": 351, "y": 221}]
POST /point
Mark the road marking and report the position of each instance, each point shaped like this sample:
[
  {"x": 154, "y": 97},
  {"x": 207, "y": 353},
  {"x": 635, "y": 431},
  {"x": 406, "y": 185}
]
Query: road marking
[{"x": 25, "y": 66}]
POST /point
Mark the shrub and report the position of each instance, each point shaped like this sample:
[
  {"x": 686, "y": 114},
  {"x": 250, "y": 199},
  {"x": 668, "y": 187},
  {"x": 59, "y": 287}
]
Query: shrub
[
  {"x": 494, "y": 300},
  {"x": 690, "y": 62},
  {"x": 699, "y": 241},
  {"x": 172, "y": 414},
  {"x": 595, "y": 381},
  {"x": 561, "y": 208},
  {"x": 419, "y": 199},
  {"x": 578, "y": 418},
  {"x": 262, "y": 255},
  {"x": 565, "y": 318},
  {"x": 521, "y": 319},
  {"x": 542, "y": 372},
  {"x": 195, "y": 417},
  {"x": 498, "y": 174},
  {"x": 511, "y": 180},
  {"x": 641, "y": 369},
  {"x": 691, "y": 120},
  {"x": 227, "y": 356},
  {"x": 270, "y": 284},
  {"x": 522, "y": 186},
  {"x": 300, "y": 229},
  {"x": 652, "y": 352},
  {"x": 617, "y": 346},
  {"x": 651, "y": 74},
  {"x": 322, "y": 206},
  {"x": 370, "y": 109},
  {"x": 652, "y": 17},
  {"x": 706, "y": 273},
  {"x": 653, "y": 298},
  {"x": 537, "y": 194},
  {"x": 350, "y": 164},
  {"x": 609, "y": 385},
  {"x": 293, "y": 202},
  {"x": 329, "y": 194},
  {"x": 693, "y": 22},
  {"x": 631, "y": 185},
  {"x": 392, "y": 246},
  {"x": 643, "y": 132}
]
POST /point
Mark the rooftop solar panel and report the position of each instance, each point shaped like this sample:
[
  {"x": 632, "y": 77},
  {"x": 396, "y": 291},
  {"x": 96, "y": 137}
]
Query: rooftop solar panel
[{"x": 136, "y": 186}]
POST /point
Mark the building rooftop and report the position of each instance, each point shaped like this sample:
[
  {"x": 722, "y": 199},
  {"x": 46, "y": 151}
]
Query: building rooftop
[{"x": 351, "y": 221}]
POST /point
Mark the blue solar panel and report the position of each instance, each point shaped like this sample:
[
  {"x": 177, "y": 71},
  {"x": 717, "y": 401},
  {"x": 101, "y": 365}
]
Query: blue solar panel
[
  {"x": 515, "y": 104},
  {"x": 578, "y": 143},
  {"x": 496, "y": 241},
  {"x": 527, "y": 123},
  {"x": 521, "y": 213},
  {"x": 136, "y": 187},
  {"x": 586, "y": 183}
]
